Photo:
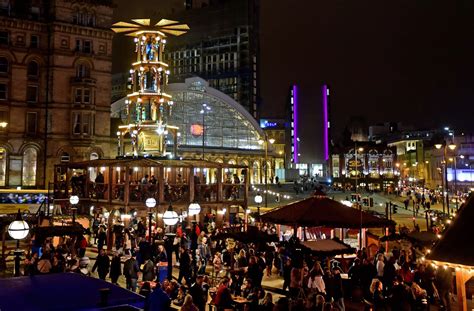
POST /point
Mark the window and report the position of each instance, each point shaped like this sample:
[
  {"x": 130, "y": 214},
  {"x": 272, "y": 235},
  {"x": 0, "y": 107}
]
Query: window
[
  {"x": 82, "y": 96},
  {"x": 31, "y": 123},
  {"x": 83, "y": 71},
  {"x": 3, "y": 166},
  {"x": 3, "y": 91},
  {"x": 87, "y": 46},
  {"x": 32, "y": 94},
  {"x": 3, "y": 65},
  {"x": 30, "y": 156},
  {"x": 78, "y": 96},
  {"x": 33, "y": 69},
  {"x": 34, "y": 42},
  {"x": 81, "y": 123},
  {"x": 4, "y": 37},
  {"x": 87, "y": 96},
  {"x": 84, "y": 46}
]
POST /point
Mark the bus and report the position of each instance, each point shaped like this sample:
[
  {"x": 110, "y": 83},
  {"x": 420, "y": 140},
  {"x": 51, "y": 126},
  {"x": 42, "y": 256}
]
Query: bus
[{"x": 12, "y": 200}]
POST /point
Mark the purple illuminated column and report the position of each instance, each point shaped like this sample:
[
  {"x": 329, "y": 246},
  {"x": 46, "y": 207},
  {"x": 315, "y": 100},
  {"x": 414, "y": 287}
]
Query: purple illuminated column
[
  {"x": 295, "y": 124},
  {"x": 325, "y": 122}
]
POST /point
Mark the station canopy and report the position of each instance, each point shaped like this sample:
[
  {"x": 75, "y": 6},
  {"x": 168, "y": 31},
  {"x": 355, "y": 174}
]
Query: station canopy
[{"x": 227, "y": 124}]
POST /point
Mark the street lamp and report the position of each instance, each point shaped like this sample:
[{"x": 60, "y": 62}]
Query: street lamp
[
  {"x": 265, "y": 142},
  {"x": 150, "y": 203},
  {"x": 18, "y": 230},
  {"x": 205, "y": 109},
  {"x": 74, "y": 200},
  {"x": 360, "y": 149},
  {"x": 445, "y": 172},
  {"x": 258, "y": 199},
  {"x": 194, "y": 209},
  {"x": 170, "y": 217}
]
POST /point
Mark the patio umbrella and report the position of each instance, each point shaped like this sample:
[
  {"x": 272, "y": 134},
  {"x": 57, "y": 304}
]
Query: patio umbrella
[{"x": 319, "y": 210}]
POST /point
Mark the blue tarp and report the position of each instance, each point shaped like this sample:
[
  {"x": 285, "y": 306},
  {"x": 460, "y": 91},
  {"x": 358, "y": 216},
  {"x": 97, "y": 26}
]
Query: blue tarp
[{"x": 62, "y": 291}]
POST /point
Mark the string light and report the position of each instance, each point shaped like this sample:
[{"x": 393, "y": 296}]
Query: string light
[{"x": 284, "y": 196}]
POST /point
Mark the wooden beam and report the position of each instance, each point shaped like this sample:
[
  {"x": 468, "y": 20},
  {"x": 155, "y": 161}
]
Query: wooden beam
[{"x": 461, "y": 278}]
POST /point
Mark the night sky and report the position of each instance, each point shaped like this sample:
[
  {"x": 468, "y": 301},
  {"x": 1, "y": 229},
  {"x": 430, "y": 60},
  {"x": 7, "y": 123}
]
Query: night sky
[{"x": 406, "y": 60}]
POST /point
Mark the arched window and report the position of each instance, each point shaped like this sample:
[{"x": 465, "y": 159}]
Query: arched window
[
  {"x": 30, "y": 159},
  {"x": 33, "y": 69},
  {"x": 3, "y": 166},
  {"x": 3, "y": 65},
  {"x": 83, "y": 71}
]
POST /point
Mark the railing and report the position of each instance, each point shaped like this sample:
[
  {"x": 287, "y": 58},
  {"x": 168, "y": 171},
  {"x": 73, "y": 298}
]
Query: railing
[
  {"x": 205, "y": 193},
  {"x": 176, "y": 193},
  {"x": 141, "y": 192},
  {"x": 233, "y": 192},
  {"x": 98, "y": 191}
]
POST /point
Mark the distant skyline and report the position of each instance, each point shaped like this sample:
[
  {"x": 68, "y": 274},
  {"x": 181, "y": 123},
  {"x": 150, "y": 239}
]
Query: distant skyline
[{"x": 410, "y": 60}]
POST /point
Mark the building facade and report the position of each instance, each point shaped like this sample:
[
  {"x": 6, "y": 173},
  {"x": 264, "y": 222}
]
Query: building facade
[
  {"x": 222, "y": 48},
  {"x": 365, "y": 166},
  {"x": 55, "y": 85}
]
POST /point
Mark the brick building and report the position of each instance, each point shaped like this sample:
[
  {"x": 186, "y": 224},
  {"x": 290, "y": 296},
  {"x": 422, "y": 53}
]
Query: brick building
[{"x": 55, "y": 86}]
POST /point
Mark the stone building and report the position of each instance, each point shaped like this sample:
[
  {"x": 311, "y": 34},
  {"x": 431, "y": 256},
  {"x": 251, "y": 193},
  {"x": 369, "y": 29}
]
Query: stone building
[{"x": 55, "y": 86}]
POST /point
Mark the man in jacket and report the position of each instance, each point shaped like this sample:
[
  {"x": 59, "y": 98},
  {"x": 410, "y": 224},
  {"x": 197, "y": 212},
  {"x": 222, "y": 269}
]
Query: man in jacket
[
  {"x": 148, "y": 271},
  {"x": 130, "y": 270},
  {"x": 115, "y": 268},
  {"x": 184, "y": 266},
  {"x": 198, "y": 293},
  {"x": 102, "y": 264}
]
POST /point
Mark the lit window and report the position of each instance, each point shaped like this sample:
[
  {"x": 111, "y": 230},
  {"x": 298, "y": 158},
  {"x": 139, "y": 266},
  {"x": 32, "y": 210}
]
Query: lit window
[
  {"x": 82, "y": 123},
  {"x": 30, "y": 156}
]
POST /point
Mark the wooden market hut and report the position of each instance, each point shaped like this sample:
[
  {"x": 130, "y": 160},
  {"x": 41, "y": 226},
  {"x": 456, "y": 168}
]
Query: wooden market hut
[
  {"x": 455, "y": 250},
  {"x": 321, "y": 211}
]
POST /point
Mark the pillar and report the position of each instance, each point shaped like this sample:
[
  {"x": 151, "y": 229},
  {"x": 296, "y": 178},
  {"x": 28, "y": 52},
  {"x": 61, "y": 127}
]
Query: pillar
[{"x": 462, "y": 276}]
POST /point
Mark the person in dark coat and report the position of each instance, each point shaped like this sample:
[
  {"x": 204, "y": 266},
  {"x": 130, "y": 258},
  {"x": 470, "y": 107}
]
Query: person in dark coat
[
  {"x": 198, "y": 293},
  {"x": 148, "y": 271},
  {"x": 115, "y": 268},
  {"x": 102, "y": 264},
  {"x": 184, "y": 266},
  {"x": 400, "y": 295},
  {"x": 101, "y": 237},
  {"x": 130, "y": 270}
]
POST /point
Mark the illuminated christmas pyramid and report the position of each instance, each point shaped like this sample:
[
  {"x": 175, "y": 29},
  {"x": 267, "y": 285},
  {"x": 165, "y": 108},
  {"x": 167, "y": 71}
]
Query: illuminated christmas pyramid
[{"x": 148, "y": 106}]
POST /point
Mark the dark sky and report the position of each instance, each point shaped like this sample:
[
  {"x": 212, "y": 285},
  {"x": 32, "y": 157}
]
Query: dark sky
[{"x": 403, "y": 60}]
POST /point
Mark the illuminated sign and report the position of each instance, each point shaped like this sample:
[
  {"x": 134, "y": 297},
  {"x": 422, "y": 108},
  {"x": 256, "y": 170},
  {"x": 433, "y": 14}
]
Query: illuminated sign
[
  {"x": 197, "y": 130},
  {"x": 264, "y": 123}
]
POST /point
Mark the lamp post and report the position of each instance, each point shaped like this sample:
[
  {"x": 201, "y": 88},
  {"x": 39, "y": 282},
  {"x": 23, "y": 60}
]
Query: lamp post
[
  {"x": 360, "y": 149},
  {"x": 74, "y": 200},
  {"x": 205, "y": 109},
  {"x": 445, "y": 147},
  {"x": 258, "y": 199},
  {"x": 150, "y": 204},
  {"x": 265, "y": 142},
  {"x": 18, "y": 230}
]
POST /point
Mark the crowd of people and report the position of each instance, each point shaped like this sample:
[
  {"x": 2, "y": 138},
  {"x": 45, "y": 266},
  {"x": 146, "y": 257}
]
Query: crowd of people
[{"x": 228, "y": 274}]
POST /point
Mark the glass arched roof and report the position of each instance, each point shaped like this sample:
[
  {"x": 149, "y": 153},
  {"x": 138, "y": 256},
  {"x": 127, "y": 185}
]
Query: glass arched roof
[{"x": 226, "y": 123}]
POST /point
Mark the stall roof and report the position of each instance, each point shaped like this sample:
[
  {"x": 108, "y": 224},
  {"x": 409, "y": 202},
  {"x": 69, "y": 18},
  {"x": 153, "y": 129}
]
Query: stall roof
[
  {"x": 61, "y": 291},
  {"x": 328, "y": 247},
  {"x": 148, "y": 162},
  {"x": 318, "y": 211},
  {"x": 454, "y": 247}
]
